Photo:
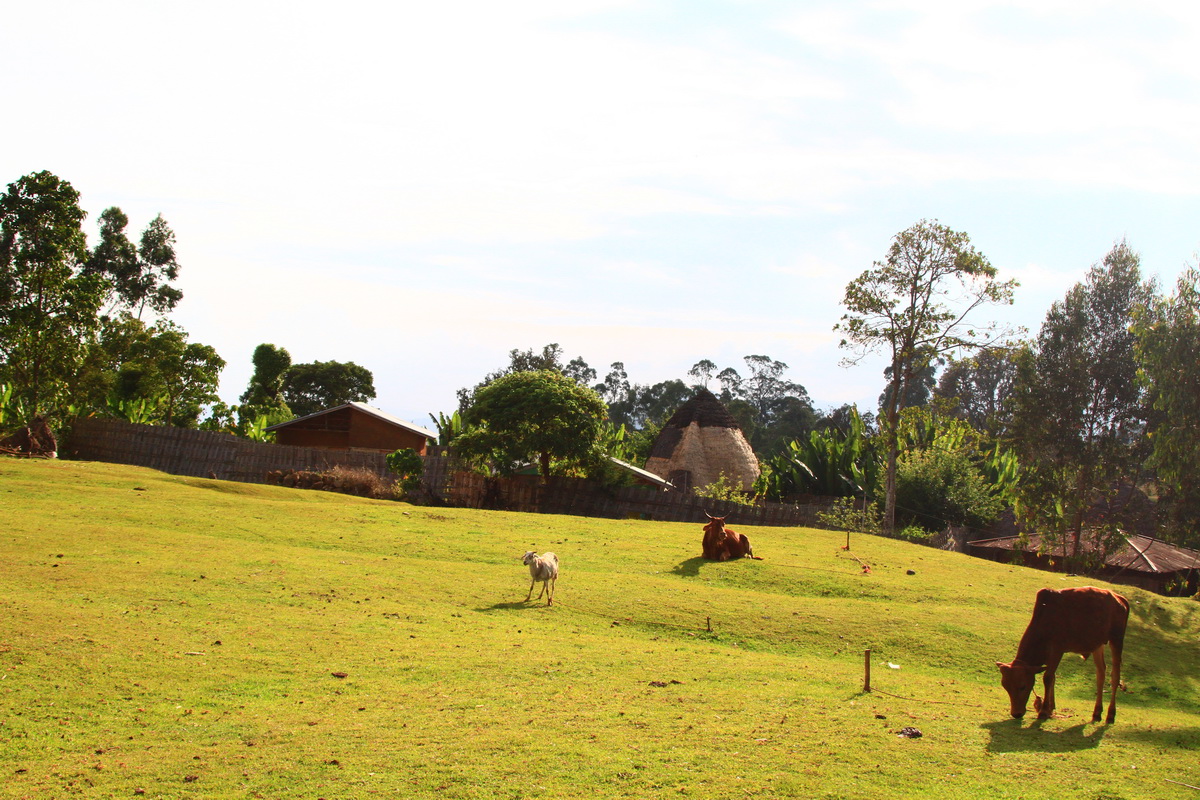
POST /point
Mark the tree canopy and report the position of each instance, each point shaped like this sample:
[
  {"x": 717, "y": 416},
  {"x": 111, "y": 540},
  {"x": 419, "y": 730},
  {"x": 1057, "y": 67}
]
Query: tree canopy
[
  {"x": 1078, "y": 413},
  {"x": 138, "y": 276},
  {"x": 536, "y": 417},
  {"x": 309, "y": 388},
  {"x": 61, "y": 350},
  {"x": 1167, "y": 335},
  {"x": 914, "y": 306},
  {"x": 48, "y": 308}
]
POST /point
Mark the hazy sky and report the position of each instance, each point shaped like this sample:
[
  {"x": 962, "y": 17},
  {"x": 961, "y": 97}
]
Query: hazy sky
[{"x": 421, "y": 187}]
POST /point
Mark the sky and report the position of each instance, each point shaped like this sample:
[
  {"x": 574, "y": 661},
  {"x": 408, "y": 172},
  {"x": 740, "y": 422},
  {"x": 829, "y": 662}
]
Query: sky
[{"x": 420, "y": 188}]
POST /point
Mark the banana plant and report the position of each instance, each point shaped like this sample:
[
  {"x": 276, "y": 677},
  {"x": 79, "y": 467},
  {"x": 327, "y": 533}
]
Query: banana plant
[
  {"x": 256, "y": 429},
  {"x": 832, "y": 463},
  {"x": 10, "y": 409},
  {"x": 449, "y": 428},
  {"x": 139, "y": 411}
]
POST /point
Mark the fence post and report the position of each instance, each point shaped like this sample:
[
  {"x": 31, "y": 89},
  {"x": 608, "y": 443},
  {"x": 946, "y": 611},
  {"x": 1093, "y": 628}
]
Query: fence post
[{"x": 867, "y": 670}]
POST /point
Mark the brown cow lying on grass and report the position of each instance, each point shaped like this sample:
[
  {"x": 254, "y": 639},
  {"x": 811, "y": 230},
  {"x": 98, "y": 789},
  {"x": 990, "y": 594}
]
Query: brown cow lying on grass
[
  {"x": 1080, "y": 621},
  {"x": 722, "y": 544}
]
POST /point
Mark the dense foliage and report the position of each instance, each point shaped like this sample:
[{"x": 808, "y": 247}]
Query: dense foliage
[
  {"x": 1168, "y": 356},
  {"x": 309, "y": 388},
  {"x": 1058, "y": 426},
  {"x": 914, "y": 307},
  {"x": 539, "y": 417},
  {"x": 71, "y": 335},
  {"x": 1078, "y": 413}
]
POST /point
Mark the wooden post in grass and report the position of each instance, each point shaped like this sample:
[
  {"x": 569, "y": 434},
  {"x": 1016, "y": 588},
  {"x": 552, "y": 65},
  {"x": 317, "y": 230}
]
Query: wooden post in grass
[{"x": 867, "y": 670}]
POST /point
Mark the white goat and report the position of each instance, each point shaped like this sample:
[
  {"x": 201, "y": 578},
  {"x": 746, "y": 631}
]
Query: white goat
[{"x": 542, "y": 568}]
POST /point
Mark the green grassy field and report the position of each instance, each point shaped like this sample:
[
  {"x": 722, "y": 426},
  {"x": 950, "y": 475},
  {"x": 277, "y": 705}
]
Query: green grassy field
[{"x": 177, "y": 637}]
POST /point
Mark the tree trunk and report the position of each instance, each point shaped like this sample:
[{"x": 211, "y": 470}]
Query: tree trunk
[{"x": 892, "y": 417}]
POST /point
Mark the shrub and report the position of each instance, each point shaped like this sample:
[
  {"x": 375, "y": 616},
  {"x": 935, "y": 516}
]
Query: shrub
[
  {"x": 915, "y": 534},
  {"x": 724, "y": 489},
  {"x": 937, "y": 487},
  {"x": 409, "y": 468},
  {"x": 844, "y": 516}
]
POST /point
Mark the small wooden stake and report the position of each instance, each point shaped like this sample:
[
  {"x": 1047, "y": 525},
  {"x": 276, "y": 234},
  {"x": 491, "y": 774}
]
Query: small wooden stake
[
  {"x": 708, "y": 624},
  {"x": 867, "y": 670}
]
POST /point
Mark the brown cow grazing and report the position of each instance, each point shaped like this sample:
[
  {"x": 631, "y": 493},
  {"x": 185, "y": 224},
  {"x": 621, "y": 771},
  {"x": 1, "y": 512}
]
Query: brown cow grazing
[
  {"x": 1080, "y": 621},
  {"x": 722, "y": 544}
]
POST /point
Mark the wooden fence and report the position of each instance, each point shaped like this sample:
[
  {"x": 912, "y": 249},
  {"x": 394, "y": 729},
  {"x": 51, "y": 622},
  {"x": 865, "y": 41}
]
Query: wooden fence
[
  {"x": 182, "y": 451},
  {"x": 203, "y": 454},
  {"x": 582, "y": 498}
]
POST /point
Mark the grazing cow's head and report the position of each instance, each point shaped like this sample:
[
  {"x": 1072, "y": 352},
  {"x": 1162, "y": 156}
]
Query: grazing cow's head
[{"x": 1018, "y": 680}]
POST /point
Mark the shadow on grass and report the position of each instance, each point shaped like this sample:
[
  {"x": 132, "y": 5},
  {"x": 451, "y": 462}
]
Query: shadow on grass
[
  {"x": 1181, "y": 738},
  {"x": 1018, "y": 736},
  {"x": 689, "y": 568},
  {"x": 512, "y": 605}
]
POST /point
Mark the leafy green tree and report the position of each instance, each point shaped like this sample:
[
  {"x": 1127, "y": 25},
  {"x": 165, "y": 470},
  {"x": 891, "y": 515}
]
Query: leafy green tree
[
  {"x": 1167, "y": 341},
  {"x": 976, "y": 389},
  {"x": 732, "y": 385},
  {"x": 914, "y": 306},
  {"x": 48, "y": 310},
  {"x": 918, "y": 391},
  {"x": 578, "y": 370},
  {"x": 533, "y": 417},
  {"x": 616, "y": 386},
  {"x": 843, "y": 418},
  {"x": 138, "y": 276},
  {"x": 93, "y": 382},
  {"x": 448, "y": 427},
  {"x": 309, "y": 388},
  {"x": 939, "y": 486},
  {"x": 550, "y": 357},
  {"x": 264, "y": 396},
  {"x": 180, "y": 377},
  {"x": 1078, "y": 413},
  {"x": 644, "y": 406},
  {"x": 702, "y": 372}
]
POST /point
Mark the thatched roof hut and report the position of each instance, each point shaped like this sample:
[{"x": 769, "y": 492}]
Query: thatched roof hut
[{"x": 699, "y": 443}]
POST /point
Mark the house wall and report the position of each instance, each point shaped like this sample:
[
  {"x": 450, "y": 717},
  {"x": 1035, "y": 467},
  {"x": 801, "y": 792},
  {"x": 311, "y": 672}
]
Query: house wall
[{"x": 350, "y": 429}]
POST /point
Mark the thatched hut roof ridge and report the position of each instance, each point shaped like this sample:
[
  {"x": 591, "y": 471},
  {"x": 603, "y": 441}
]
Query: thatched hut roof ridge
[{"x": 705, "y": 410}]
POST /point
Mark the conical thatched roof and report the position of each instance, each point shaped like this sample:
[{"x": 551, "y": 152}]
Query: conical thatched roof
[{"x": 700, "y": 442}]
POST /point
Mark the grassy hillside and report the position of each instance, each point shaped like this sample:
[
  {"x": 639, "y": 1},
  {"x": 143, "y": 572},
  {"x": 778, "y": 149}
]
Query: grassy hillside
[{"x": 177, "y": 637}]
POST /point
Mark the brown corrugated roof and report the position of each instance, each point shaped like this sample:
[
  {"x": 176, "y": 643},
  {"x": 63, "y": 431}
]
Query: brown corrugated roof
[
  {"x": 366, "y": 409},
  {"x": 1140, "y": 553}
]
